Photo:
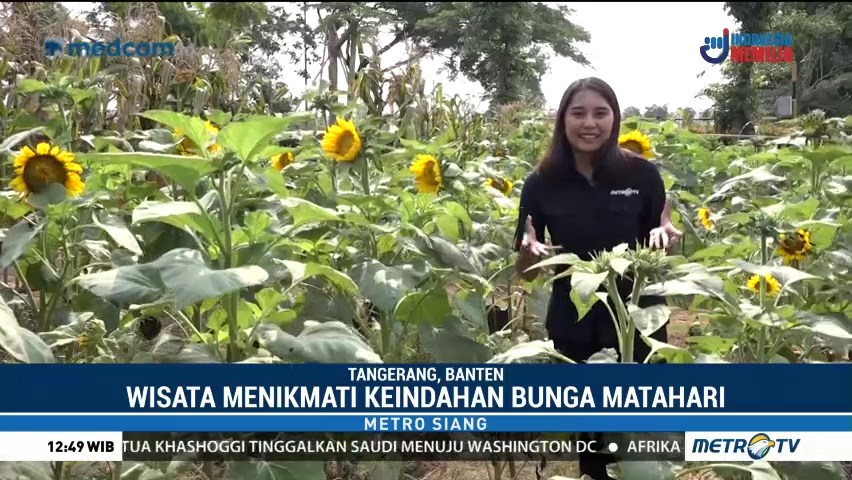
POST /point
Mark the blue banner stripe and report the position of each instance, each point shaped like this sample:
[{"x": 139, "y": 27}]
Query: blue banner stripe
[{"x": 354, "y": 423}]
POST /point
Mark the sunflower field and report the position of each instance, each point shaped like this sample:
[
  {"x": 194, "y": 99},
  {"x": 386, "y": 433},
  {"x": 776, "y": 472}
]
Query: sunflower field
[{"x": 191, "y": 234}]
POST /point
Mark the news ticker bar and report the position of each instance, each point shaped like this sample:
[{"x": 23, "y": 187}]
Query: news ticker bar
[
  {"x": 428, "y": 422},
  {"x": 689, "y": 446}
]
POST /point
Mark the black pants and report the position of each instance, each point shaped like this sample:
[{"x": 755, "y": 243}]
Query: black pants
[{"x": 594, "y": 464}]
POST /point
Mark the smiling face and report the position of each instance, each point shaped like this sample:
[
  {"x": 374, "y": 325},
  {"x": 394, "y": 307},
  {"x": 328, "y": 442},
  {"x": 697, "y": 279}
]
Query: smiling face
[{"x": 588, "y": 121}]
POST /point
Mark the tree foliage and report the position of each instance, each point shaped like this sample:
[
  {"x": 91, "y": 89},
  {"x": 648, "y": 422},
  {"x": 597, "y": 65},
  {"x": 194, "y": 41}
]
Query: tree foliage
[
  {"x": 822, "y": 43},
  {"x": 505, "y": 47}
]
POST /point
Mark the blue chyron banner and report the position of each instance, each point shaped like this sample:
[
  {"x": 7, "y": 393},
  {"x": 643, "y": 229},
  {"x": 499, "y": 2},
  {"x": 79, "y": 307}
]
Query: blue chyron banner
[{"x": 437, "y": 398}]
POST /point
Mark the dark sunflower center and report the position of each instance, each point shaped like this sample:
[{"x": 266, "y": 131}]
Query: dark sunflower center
[
  {"x": 633, "y": 146},
  {"x": 43, "y": 170},
  {"x": 429, "y": 173},
  {"x": 345, "y": 142}
]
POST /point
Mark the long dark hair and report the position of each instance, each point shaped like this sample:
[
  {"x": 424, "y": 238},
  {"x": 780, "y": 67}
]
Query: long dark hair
[{"x": 611, "y": 161}]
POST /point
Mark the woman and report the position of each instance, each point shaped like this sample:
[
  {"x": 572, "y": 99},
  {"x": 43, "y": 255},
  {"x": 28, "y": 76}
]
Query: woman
[{"x": 590, "y": 195}]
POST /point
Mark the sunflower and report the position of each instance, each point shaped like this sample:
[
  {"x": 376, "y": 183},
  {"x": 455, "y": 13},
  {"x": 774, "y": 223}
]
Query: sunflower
[
  {"x": 636, "y": 142},
  {"x": 794, "y": 247},
  {"x": 36, "y": 170},
  {"x": 213, "y": 130},
  {"x": 500, "y": 184},
  {"x": 341, "y": 141},
  {"x": 772, "y": 285},
  {"x": 187, "y": 148},
  {"x": 427, "y": 173},
  {"x": 281, "y": 160},
  {"x": 704, "y": 218}
]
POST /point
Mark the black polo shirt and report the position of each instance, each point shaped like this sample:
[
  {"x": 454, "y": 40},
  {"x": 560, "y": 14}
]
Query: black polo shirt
[{"x": 584, "y": 217}]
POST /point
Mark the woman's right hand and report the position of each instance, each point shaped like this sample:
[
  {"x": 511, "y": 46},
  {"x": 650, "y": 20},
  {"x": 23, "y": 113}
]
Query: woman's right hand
[{"x": 530, "y": 243}]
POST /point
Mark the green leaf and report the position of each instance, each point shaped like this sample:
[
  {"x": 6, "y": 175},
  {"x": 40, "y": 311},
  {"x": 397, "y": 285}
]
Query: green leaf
[
  {"x": 717, "y": 250},
  {"x": 607, "y": 355},
  {"x": 448, "y": 225},
  {"x": 268, "y": 300},
  {"x": 17, "y": 138},
  {"x": 328, "y": 342},
  {"x": 53, "y": 194},
  {"x": 557, "y": 260},
  {"x": 185, "y": 170},
  {"x": 384, "y": 286},
  {"x": 834, "y": 325},
  {"x": 423, "y": 307},
  {"x": 260, "y": 470},
  {"x": 710, "y": 343},
  {"x": 303, "y": 271},
  {"x": 821, "y": 157},
  {"x": 151, "y": 210},
  {"x": 15, "y": 241},
  {"x": 583, "y": 305},
  {"x": 26, "y": 471},
  {"x": 641, "y": 470},
  {"x": 31, "y": 85},
  {"x": 181, "y": 215},
  {"x": 536, "y": 351},
  {"x": 116, "y": 229},
  {"x": 694, "y": 283},
  {"x": 171, "y": 349},
  {"x": 649, "y": 319},
  {"x": 22, "y": 344},
  {"x": 784, "y": 274},
  {"x": 758, "y": 470},
  {"x": 305, "y": 212},
  {"x": 191, "y": 127},
  {"x": 811, "y": 470},
  {"x": 13, "y": 208},
  {"x": 449, "y": 342},
  {"x": 130, "y": 284},
  {"x": 248, "y": 138},
  {"x": 669, "y": 352},
  {"x": 620, "y": 265},
  {"x": 586, "y": 284},
  {"x": 190, "y": 280}
]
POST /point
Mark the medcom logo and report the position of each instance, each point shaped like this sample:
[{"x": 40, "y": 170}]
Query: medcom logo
[
  {"x": 54, "y": 47},
  {"x": 732, "y": 447}
]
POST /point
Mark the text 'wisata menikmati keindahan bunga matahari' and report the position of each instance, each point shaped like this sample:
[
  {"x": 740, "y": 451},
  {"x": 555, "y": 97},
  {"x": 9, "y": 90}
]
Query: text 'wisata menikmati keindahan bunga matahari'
[{"x": 486, "y": 394}]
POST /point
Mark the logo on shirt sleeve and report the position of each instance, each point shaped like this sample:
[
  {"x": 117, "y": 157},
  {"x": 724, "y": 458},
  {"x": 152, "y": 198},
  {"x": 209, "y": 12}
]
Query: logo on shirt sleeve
[{"x": 627, "y": 192}]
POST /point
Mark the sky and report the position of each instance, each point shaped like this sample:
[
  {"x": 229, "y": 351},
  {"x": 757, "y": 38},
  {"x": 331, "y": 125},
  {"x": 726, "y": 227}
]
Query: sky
[{"x": 648, "y": 53}]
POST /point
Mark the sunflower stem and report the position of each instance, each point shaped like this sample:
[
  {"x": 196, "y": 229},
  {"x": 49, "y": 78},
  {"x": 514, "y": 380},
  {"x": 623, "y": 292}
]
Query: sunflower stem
[
  {"x": 761, "y": 340},
  {"x": 763, "y": 261},
  {"x": 365, "y": 176}
]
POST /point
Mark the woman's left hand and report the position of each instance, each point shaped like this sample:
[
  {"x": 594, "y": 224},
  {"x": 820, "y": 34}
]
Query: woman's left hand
[{"x": 664, "y": 236}]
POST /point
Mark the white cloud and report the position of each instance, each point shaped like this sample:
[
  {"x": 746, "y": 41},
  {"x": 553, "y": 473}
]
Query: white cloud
[{"x": 648, "y": 52}]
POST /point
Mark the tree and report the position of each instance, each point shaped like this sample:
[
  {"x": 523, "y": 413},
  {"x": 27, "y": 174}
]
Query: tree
[
  {"x": 631, "y": 112},
  {"x": 505, "y": 47},
  {"x": 657, "y": 112},
  {"x": 735, "y": 100}
]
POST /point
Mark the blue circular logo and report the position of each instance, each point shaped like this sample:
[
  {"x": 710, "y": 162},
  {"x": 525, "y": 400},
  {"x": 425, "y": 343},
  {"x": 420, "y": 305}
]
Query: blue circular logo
[{"x": 759, "y": 446}]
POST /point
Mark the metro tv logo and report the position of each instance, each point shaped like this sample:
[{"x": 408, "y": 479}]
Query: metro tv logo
[{"x": 757, "y": 447}]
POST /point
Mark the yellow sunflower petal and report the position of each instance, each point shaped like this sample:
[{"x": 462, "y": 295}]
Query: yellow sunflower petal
[
  {"x": 636, "y": 142},
  {"x": 43, "y": 148},
  {"x": 341, "y": 141},
  {"x": 18, "y": 184},
  {"x": 27, "y": 152},
  {"x": 427, "y": 173},
  {"x": 74, "y": 185},
  {"x": 65, "y": 157}
]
